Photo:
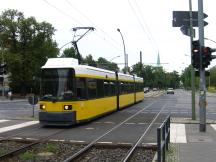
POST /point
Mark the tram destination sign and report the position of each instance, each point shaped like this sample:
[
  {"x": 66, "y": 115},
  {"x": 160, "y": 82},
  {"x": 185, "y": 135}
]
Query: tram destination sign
[{"x": 183, "y": 18}]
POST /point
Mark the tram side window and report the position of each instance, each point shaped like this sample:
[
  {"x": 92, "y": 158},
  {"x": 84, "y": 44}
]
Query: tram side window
[
  {"x": 137, "y": 87},
  {"x": 92, "y": 88},
  {"x": 106, "y": 88},
  {"x": 81, "y": 88},
  {"x": 100, "y": 88},
  {"x": 112, "y": 88}
]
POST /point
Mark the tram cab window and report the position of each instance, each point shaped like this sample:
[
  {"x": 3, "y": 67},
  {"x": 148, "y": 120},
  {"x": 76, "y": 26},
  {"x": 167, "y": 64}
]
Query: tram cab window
[
  {"x": 57, "y": 84},
  {"x": 81, "y": 88}
]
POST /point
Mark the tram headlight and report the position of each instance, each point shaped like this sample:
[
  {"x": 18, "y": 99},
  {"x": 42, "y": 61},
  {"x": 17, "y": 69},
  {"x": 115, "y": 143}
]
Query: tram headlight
[
  {"x": 42, "y": 107},
  {"x": 67, "y": 107}
]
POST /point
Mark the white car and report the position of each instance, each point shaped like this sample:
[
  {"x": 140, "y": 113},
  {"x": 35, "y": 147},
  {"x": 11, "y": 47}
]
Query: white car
[{"x": 170, "y": 91}]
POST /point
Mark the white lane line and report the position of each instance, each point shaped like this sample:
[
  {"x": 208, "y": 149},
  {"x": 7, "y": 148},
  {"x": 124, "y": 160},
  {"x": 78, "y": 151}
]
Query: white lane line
[
  {"x": 105, "y": 142},
  {"x": 3, "y": 120},
  {"x": 17, "y": 126},
  {"x": 177, "y": 133},
  {"x": 77, "y": 141},
  {"x": 89, "y": 128},
  {"x": 213, "y": 126}
]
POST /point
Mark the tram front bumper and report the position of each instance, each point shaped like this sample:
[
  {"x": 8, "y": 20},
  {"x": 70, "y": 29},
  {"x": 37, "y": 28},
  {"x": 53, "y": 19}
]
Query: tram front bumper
[{"x": 57, "y": 118}]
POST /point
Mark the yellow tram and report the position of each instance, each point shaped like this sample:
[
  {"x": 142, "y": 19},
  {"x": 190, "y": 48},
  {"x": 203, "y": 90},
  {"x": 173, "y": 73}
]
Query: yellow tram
[{"x": 72, "y": 93}]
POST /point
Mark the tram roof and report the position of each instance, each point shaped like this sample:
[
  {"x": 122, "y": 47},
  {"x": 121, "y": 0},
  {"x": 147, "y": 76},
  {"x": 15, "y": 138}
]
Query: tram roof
[{"x": 87, "y": 71}]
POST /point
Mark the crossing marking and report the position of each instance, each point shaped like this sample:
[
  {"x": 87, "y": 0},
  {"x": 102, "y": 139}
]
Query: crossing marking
[
  {"x": 17, "y": 126},
  {"x": 3, "y": 120},
  {"x": 177, "y": 133},
  {"x": 213, "y": 126}
]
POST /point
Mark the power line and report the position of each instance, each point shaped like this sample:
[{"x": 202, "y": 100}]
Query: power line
[
  {"x": 96, "y": 26},
  {"x": 62, "y": 12},
  {"x": 141, "y": 21}
]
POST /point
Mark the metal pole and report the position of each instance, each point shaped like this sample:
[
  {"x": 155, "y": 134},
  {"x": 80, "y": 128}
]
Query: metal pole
[
  {"x": 193, "y": 112},
  {"x": 202, "y": 85},
  {"x": 125, "y": 57},
  {"x": 3, "y": 90}
]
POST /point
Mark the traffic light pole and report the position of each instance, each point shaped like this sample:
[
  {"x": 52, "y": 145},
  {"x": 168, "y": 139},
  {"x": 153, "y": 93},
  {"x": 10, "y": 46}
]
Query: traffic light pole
[
  {"x": 202, "y": 85},
  {"x": 193, "y": 114}
]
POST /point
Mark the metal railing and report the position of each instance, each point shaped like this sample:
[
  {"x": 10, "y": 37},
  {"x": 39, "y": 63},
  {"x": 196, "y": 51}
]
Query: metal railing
[{"x": 163, "y": 139}]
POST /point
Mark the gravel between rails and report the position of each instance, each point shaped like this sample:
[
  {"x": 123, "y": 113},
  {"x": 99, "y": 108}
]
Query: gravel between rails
[
  {"x": 47, "y": 152},
  {"x": 111, "y": 154},
  {"x": 61, "y": 150}
]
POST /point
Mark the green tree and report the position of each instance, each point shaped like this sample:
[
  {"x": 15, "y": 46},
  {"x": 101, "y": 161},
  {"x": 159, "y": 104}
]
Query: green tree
[
  {"x": 172, "y": 79},
  {"x": 212, "y": 77},
  {"x": 90, "y": 61},
  {"x": 27, "y": 45},
  {"x": 138, "y": 69},
  {"x": 186, "y": 78},
  {"x": 69, "y": 52},
  {"x": 103, "y": 63}
]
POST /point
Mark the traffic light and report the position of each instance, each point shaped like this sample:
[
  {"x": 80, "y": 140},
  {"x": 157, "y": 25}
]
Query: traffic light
[
  {"x": 196, "y": 54},
  {"x": 207, "y": 56},
  {"x": 2, "y": 69}
]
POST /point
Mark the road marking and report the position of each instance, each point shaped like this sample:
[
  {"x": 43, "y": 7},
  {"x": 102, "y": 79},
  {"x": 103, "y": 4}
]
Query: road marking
[
  {"x": 97, "y": 122},
  {"x": 213, "y": 126},
  {"x": 89, "y": 128},
  {"x": 17, "y": 126},
  {"x": 130, "y": 123},
  {"x": 3, "y": 120},
  {"x": 105, "y": 142},
  {"x": 124, "y": 143},
  {"x": 177, "y": 133},
  {"x": 76, "y": 141},
  {"x": 109, "y": 122}
]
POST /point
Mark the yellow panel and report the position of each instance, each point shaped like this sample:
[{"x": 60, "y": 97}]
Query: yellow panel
[
  {"x": 126, "y": 99},
  {"x": 84, "y": 109},
  {"x": 139, "y": 96}
]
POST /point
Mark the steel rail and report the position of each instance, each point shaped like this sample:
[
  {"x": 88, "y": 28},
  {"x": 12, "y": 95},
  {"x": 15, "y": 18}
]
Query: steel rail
[
  {"x": 126, "y": 158},
  {"x": 23, "y": 148},
  {"x": 86, "y": 148}
]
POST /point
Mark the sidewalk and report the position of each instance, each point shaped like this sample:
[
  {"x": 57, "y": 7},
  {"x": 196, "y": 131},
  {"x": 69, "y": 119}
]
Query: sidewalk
[
  {"x": 193, "y": 145},
  {"x": 5, "y": 100}
]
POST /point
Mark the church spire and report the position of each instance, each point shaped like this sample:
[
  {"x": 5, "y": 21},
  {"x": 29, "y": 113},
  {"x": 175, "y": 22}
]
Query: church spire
[{"x": 158, "y": 60}]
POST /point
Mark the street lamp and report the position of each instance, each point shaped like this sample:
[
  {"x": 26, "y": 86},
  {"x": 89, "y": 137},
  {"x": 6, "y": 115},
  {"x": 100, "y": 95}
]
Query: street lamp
[
  {"x": 125, "y": 57},
  {"x": 114, "y": 58}
]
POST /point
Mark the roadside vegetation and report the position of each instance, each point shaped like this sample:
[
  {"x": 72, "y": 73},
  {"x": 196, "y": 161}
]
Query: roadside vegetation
[
  {"x": 26, "y": 44},
  {"x": 210, "y": 80}
]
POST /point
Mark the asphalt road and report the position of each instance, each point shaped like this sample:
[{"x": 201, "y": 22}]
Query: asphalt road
[{"x": 177, "y": 105}]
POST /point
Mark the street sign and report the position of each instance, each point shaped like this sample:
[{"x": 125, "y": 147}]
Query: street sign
[
  {"x": 186, "y": 15},
  {"x": 186, "y": 31},
  {"x": 186, "y": 22},
  {"x": 33, "y": 100},
  {"x": 183, "y": 18}
]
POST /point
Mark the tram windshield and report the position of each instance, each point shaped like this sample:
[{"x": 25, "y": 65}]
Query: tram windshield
[{"x": 57, "y": 84}]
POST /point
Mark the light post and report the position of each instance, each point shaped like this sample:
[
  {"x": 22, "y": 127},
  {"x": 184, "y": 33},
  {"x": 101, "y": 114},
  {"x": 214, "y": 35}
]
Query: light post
[
  {"x": 125, "y": 57},
  {"x": 114, "y": 58}
]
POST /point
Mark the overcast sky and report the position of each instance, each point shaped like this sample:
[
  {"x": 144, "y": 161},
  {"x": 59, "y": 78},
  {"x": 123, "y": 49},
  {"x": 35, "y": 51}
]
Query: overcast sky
[{"x": 146, "y": 26}]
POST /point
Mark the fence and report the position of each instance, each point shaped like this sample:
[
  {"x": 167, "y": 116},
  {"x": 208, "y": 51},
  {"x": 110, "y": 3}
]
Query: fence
[{"x": 163, "y": 139}]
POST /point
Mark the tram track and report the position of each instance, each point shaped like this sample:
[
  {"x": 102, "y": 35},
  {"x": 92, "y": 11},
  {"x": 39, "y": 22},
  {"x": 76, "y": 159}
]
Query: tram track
[
  {"x": 130, "y": 151},
  {"x": 25, "y": 145},
  {"x": 94, "y": 149}
]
